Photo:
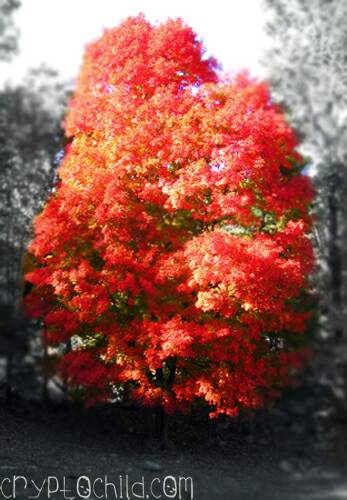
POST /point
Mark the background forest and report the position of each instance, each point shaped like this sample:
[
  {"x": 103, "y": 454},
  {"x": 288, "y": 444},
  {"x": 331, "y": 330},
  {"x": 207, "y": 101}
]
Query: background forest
[{"x": 307, "y": 66}]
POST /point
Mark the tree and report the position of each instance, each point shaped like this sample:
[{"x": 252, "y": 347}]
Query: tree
[
  {"x": 8, "y": 47},
  {"x": 308, "y": 69},
  {"x": 173, "y": 255},
  {"x": 30, "y": 136},
  {"x": 8, "y": 31}
]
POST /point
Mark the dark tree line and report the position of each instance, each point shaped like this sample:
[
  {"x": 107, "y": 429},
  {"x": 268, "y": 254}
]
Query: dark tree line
[
  {"x": 308, "y": 68},
  {"x": 307, "y": 63},
  {"x": 30, "y": 137}
]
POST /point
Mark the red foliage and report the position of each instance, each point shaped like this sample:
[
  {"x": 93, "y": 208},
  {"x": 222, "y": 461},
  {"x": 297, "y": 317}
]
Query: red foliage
[{"x": 174, "y": 252}]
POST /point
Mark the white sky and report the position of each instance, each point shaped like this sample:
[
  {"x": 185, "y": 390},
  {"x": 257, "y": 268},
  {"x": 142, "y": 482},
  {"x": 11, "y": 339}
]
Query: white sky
[{"x": 55, "y": 31}]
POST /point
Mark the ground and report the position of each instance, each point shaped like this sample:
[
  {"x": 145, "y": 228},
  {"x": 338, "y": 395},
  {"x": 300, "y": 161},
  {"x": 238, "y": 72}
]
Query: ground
[{"x": 281, "y": 454}]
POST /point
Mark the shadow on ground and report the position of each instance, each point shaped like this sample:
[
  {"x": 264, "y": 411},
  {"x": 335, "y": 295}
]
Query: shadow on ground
[{"x": 278, "y": 455}]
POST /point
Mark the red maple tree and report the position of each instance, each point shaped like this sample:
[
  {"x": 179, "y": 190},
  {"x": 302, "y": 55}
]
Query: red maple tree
[{"x": 174, "y": 253}]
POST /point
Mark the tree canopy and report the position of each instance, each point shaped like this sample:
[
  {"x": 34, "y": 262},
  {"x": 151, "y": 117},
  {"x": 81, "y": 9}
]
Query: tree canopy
[{"x": 173, "y": 255}]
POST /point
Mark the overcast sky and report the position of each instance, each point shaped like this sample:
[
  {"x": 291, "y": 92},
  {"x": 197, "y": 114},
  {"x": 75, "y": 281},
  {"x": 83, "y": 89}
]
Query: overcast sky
[{"x": 55, "y": 31}]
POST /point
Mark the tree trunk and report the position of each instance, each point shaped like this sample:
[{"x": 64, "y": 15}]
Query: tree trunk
[
  {"x": 65, "y": 377},
  {"x": 335, "y": 257},
  {"x": 45, "y": 378},
  {"x": 161, "y": 426},
  {"x": 161, "y": 419},
  {"x": 9, "y": 370}
]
